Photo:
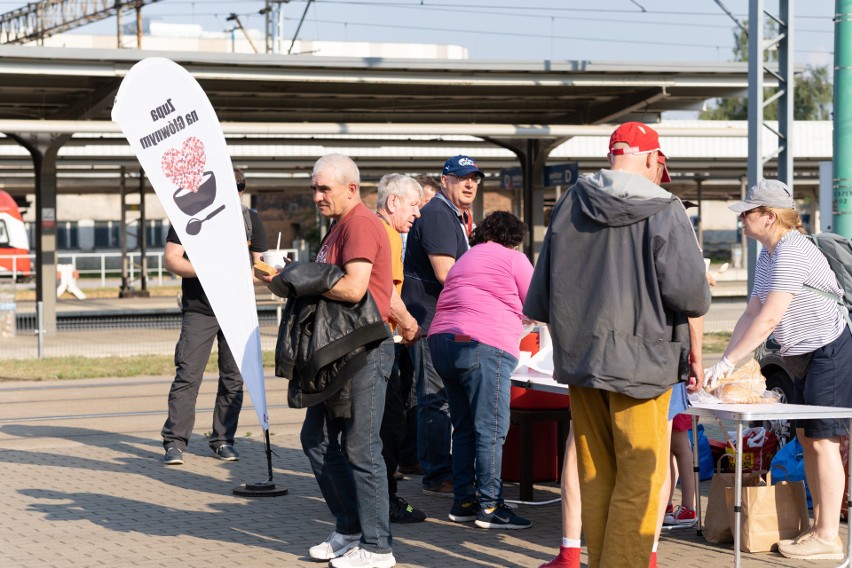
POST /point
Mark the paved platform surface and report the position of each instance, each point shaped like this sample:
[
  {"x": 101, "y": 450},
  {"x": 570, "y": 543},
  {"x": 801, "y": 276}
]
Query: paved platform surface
[{"x": 84, "y": 486}]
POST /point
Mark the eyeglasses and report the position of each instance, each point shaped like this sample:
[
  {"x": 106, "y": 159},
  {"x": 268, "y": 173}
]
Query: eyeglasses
[
  {"x": 473, "y": 177},
  {"x": 745, "y": 214}
]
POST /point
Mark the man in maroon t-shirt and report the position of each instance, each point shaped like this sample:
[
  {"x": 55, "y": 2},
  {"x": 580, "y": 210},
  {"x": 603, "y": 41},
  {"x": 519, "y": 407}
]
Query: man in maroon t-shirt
[{"x": 346, "y": 454}]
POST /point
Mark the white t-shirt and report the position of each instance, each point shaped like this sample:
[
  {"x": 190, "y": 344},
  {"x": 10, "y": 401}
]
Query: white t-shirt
[{"x": 811, "y": 320}]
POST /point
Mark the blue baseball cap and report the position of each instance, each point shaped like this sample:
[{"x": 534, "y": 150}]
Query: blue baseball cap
[{"x": 461, "y": 166}]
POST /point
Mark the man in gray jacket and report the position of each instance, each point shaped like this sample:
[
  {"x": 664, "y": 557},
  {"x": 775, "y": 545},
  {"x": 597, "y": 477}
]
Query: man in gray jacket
[{"x": 618, "y": 278}]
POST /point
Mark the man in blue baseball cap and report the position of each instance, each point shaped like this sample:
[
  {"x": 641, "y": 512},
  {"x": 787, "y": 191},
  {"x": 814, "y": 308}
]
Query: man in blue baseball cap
[
  {"x": 436, "y": 240},
  {"x": 461, "y": 166}
]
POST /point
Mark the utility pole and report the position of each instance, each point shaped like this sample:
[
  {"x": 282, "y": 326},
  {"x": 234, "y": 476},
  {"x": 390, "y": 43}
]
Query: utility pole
[
  {"x": 118, "y": 30},
  {"x": 139, "y": 24},
  {"x": 267, "y": 20},
  {"x": 841, "y": 168},
  {"x": 236, "y": 19},
  {"x": 274, "y": 17}
]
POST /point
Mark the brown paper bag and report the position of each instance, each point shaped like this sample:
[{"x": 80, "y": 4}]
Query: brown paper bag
[
  {"x": 769, "y": 513},
  {"x": 716, "y": 526}
]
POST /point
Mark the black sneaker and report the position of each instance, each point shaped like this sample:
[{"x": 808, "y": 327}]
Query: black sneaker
[
  {"x": 173, "y": 456},
  {"x": 464, "y": 512},
  {"x": 401, "y": 512},
  {"x": 227, "y": 453},
  {"x": 500, "y": 517}
]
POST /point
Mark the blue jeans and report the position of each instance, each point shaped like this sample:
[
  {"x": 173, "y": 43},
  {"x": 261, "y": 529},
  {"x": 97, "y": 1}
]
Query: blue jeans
[
  {"x": 477, "y": 379},
  {"x": 433, "y": 418},
  {"x": 346, "y": 455}
]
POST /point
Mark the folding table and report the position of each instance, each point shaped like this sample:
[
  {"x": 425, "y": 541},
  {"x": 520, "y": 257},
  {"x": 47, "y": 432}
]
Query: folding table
[{"x": 742, "y": 413}]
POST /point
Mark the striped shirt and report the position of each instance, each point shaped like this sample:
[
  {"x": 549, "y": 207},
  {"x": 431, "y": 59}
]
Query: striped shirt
[{"x": 811, "y": 320}]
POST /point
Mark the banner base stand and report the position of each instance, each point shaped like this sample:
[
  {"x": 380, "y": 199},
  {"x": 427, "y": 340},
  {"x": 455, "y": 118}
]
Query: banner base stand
[{"x": 263, "y": 489}]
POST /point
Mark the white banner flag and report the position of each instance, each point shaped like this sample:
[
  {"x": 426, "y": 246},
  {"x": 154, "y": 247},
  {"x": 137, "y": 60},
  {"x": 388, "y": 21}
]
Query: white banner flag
[{"x": 171, "y": 125}]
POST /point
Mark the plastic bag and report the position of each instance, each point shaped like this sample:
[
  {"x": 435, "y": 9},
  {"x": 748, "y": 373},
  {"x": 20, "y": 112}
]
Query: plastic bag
[
  {"x": 759, "y": 447},
  {"x": 791, "y": 458},
  {"x": 705, "y": 454},
  {"x": 745, "y": 386}
]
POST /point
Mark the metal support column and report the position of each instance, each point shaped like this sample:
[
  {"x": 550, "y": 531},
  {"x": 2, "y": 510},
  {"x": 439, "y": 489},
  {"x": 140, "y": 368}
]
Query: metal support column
[
  {"x": 143, "y": 240},
  {"x": 123, "y": 291},
  {"x": 43, "y": 149},
  {"x": 841, "y": 166},
  {"x": 699, "y": 229},
  {"x": 532, "y": 158},
  {"x": 758, "y": 48},
  {"x": 532, "y": 153},
  {"x": 127, "y": 289}
]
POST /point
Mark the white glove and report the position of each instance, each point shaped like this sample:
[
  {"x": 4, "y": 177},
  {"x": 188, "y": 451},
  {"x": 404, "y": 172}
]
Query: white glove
[{"x": 718, "y": 371}]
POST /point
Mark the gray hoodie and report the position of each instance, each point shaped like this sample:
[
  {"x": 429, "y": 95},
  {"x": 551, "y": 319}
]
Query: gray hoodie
[{"x": 619, "y": 273}]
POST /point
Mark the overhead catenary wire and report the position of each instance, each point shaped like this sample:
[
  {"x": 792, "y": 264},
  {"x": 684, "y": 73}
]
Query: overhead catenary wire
[{"x": 650, "y": 19}]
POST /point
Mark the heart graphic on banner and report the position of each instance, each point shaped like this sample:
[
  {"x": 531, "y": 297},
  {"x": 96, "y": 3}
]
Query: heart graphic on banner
[{"x": 185, "y": 167}]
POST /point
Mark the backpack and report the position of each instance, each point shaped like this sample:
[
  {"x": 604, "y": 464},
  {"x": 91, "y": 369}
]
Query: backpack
[{"x": 837, "y": 250}]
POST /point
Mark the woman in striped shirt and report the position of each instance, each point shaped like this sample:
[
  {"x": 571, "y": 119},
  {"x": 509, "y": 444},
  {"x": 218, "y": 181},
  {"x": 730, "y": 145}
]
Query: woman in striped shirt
[{"x": 811, "y": 330}]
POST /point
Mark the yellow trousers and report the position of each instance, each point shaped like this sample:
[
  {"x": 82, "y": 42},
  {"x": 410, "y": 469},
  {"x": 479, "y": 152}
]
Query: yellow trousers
[{"x": 623, "y": 458}]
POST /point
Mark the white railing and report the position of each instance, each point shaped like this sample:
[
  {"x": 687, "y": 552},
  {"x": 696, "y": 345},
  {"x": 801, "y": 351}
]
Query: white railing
[
  {"x": 105, "y": 265},
  {"x": 102, "y": 265}
]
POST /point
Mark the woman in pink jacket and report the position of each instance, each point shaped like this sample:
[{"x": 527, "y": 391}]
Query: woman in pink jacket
[{"x": 474, "y": 341}]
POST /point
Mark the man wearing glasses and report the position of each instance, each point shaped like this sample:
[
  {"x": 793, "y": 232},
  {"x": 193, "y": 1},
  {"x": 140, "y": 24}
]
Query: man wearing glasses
[{"x": 436, "y": 240}]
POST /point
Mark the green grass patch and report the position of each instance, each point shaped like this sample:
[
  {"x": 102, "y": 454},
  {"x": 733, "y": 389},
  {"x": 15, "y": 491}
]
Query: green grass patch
[
  {"x": 69, "y": 368},
  {"x": 715, "y": 342},
  {"x": 95, "y": 367}
]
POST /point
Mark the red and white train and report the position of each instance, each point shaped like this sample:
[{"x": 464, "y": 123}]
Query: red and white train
[{"x": 14, "y": 242}]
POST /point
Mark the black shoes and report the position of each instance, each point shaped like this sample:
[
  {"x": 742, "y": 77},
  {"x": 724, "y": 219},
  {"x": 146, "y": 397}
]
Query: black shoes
[
  {"x": 401, "y": 512},
  {"x": 227, "y": 453},
  {"x": 464, "y": 512},
  {"x": 173, "y": 456},
  {"x": 500, "y": 517}
]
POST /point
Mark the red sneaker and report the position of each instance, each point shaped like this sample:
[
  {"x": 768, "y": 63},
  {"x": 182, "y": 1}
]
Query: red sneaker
[
  {"x": 567, "y": 558},
  {"x": 680, "y": 517}
]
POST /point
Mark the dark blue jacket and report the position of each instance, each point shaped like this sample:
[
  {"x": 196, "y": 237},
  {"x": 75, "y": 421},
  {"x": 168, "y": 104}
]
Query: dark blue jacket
[{"x": 619, "y": 274}]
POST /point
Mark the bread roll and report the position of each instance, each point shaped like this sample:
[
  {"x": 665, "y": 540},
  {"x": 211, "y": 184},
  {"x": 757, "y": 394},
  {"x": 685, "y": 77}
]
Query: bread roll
[
  {"x": 262, "y": 269},
  {"x": 734, "y": 394},
  {"x": 748, "y": 376}
]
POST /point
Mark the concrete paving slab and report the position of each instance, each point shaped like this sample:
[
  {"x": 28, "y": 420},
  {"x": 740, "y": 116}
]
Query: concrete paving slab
[{"x": 84, "y": 486}]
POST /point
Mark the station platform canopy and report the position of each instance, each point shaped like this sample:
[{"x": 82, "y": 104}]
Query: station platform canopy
[{"x": 391, "y": 114}]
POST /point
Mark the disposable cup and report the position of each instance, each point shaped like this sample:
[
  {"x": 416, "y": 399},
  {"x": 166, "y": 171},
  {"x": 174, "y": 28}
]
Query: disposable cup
[{"x": 276, "y": 258}]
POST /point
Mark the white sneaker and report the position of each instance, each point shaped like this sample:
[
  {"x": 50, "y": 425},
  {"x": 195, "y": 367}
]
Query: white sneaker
[
  {"x": 362, "y": 558},
  {"x": 335, "y": 545}
]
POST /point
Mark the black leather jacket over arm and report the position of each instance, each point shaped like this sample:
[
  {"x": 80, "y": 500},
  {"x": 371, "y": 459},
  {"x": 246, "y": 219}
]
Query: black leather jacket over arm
[{"x": 322, "y": 343}]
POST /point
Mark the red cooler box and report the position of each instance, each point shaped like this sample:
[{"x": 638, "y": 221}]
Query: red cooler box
[{"x": 545, "y": 437}]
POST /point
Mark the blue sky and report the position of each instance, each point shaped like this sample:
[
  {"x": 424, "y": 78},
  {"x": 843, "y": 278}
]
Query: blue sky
[{"x": 619, "y": 30}]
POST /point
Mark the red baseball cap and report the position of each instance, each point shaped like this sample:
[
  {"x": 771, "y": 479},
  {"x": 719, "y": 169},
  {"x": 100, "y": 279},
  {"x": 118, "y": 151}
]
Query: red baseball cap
[{"x": 641, "y": 139}]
